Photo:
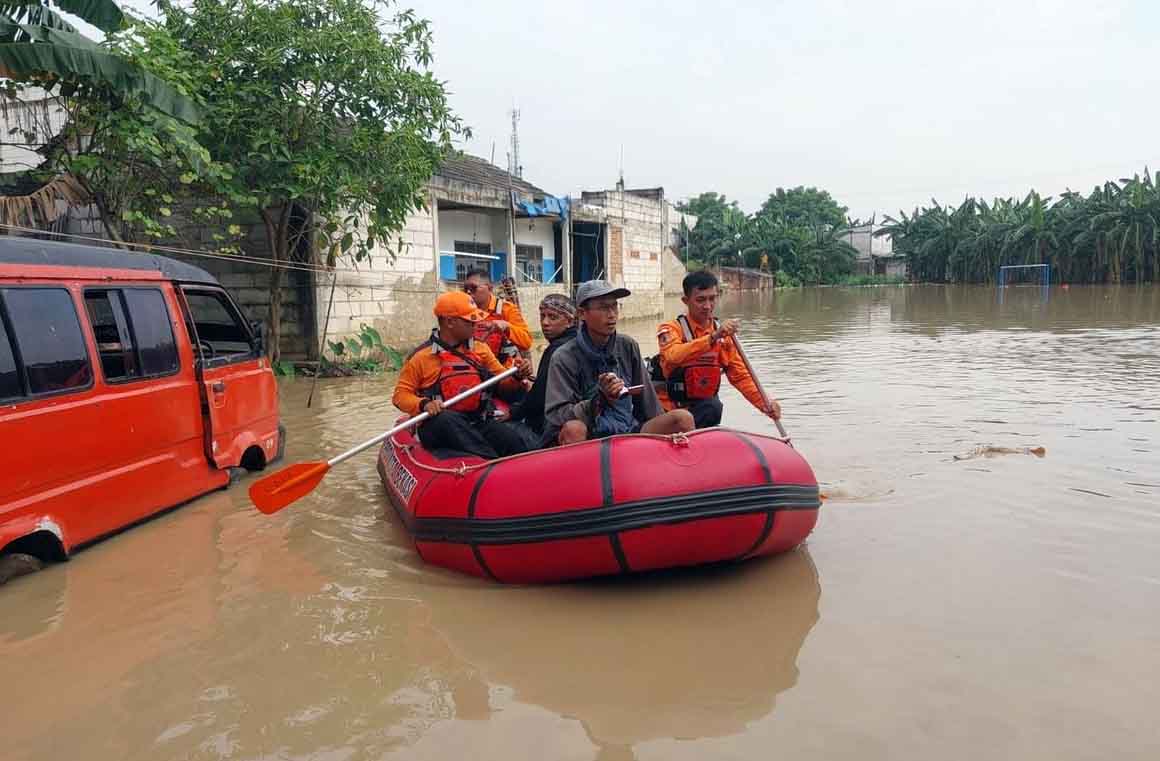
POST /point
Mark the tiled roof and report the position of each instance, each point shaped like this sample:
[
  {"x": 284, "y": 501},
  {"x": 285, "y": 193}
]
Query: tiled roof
[{"x": 465, "y": 168}]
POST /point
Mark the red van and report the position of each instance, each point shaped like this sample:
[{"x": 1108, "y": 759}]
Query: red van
[{"x": 129, "y": 383}]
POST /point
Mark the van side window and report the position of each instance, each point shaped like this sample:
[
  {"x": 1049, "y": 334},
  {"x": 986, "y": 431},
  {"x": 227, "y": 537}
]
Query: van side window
[
  {"x": 111, "y": 329},
  {"x": 48, "y": 336},
  {"x": 220, "y": 330},
  {"x": 133, "y": 331},
  {"x": 10, "y": 385},
  {"x": 153, "y": 329}
]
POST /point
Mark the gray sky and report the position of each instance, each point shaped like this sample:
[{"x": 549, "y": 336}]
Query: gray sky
[{"x": 884, "y": 104}]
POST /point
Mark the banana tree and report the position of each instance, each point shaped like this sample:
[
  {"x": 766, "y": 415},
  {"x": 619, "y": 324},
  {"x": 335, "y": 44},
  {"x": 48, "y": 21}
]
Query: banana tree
[{"x": 40, "y": 46}]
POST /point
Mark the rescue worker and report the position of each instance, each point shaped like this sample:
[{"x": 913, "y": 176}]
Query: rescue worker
[
  {"x": 695, "y": 351},
  {"x": 558, "y": 324},
  {"x": 584, "y": 399},
  {"x": 446, "y": 364},
  {"x": 504, "y": 329}
]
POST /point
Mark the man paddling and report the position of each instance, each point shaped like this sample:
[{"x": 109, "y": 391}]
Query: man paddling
[
  {"x": 447, "y": 363},
  {"x": 584, "y": 398},
  {"x": 695, "y": 351}
]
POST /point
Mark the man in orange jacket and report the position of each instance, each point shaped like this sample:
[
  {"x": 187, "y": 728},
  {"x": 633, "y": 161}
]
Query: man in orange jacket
[
  {"x": 503, "y": 328},
  {"x": 448, "y": 363},
  {"x": 694, "y": 353}
]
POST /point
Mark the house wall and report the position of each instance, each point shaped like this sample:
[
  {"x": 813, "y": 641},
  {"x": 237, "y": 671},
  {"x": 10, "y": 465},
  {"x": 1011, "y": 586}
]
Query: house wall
[
  {"x": 638, "y": 262},
  {"x": 392, "y": 292},
  {"x": 468, "y": 226},
  {"x": 675, "y": 272},
  {"x": 539, "y": 231}
]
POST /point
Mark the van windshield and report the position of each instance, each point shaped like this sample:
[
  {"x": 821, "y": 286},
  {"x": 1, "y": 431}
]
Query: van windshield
[{"x": 220, "y": 330}]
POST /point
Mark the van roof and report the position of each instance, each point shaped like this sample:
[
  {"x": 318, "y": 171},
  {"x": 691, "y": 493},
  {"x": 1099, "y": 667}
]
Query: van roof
[{"x": 14, "y": 250}]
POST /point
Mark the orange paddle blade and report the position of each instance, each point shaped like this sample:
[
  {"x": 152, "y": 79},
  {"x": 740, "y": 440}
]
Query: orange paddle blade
[{"x": 275, "y": 491}]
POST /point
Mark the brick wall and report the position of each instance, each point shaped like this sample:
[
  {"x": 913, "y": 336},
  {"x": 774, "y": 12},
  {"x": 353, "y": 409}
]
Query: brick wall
[{"x": 639, "y": 262}]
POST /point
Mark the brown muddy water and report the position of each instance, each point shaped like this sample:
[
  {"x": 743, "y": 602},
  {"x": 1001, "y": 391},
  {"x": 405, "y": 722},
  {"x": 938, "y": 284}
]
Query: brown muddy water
[{"x": 997, "y": 606}]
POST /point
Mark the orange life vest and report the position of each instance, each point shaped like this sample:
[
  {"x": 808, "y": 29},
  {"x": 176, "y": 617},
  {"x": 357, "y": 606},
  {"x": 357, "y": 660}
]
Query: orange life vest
[
  {"x": 697, "y": 379},
  {"x": 458, "y": 373},
  {"x": 497, "y": 340}
]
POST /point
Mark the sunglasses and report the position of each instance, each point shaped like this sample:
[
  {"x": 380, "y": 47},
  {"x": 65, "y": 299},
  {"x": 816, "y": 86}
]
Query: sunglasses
[{"x": 470, "y": 288}]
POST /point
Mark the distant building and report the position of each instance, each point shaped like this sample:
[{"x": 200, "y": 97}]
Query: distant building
[{"x": 875, "y": 254}]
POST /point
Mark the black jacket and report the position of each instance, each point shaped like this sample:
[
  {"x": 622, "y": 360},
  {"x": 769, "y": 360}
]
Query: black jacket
[{"x": 531, "y": 409}]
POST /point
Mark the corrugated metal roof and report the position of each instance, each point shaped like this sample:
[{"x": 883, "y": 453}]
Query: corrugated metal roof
[{"x": 466, "y": 168}]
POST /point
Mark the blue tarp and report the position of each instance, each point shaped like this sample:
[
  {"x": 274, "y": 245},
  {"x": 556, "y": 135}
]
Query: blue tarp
[{"x": 550, "y": 205}]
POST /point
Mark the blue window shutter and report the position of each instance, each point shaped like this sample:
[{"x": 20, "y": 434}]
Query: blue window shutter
[
  {"x": 446, "y": 267},
  {"x": 499, "y": 266}
]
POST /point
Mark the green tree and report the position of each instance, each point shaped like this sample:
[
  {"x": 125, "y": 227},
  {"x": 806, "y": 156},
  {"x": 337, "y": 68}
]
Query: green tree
[
  {"x": 328, "y": 113},
  {"x": 114, "y": 123},
  {"x": 40, "y": 46},
  {"x": 804, "y": 207}
]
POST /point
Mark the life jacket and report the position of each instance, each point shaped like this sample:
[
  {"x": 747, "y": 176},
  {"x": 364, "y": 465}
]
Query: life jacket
[
  {"x": 497, "y": 340},
  {"x": 458, "y": 372},
  {"x": 697, "y": 379}
]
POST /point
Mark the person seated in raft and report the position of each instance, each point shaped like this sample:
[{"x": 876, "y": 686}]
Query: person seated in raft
[
  {"x": 558, "y": 323},
  {"x": 695, "y": 351},
  {"x": 583, "y": 399},
  {"x": 446, "y": 364},
  {"x": 504, "y": 329}
]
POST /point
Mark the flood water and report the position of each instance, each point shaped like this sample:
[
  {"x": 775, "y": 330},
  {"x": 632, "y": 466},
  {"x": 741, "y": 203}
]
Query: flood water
[{"x": 995, "y": 606}]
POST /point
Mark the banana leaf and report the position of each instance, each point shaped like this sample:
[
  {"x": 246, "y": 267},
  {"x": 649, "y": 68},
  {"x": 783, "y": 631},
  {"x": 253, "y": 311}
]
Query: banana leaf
[
  {"x": 103, "y": 14},
  {"x": 29, "y": 52}
]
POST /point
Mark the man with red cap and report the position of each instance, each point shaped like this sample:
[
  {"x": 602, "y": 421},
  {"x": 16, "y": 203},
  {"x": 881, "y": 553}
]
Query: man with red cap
[{"x": 448, "y": 363}]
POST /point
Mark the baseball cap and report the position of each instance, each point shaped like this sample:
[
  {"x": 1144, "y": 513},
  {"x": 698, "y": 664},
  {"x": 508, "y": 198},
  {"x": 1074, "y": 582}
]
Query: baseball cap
[
  {"x": 458, "y": 304},
  {"x": 593, "y": 289}
]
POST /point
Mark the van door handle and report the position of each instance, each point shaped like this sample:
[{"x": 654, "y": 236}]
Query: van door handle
[{"x": 219, "y": 387}]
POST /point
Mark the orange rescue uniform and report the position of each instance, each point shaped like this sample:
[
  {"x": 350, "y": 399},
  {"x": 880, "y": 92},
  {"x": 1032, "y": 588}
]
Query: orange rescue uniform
[
  {"x": 675, "y": 352},
  {"x": 518, "y": 334},
  {"x": 422, "y": 371}
]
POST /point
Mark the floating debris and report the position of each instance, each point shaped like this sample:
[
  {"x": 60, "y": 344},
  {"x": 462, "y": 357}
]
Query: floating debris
[{"x": 990, "y": 451}]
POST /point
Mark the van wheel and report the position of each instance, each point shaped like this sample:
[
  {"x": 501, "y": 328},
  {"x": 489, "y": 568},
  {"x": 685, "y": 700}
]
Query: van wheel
[{"x": 18, "y": 564}]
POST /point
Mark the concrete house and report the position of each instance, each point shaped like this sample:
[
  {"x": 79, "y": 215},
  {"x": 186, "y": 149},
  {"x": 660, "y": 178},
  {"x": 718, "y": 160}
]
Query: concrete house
[{"x": 480, "y": 217}]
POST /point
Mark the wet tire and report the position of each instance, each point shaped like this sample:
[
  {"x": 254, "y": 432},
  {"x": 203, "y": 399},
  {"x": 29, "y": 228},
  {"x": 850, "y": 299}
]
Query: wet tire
[{"x": 18, "y": 564}]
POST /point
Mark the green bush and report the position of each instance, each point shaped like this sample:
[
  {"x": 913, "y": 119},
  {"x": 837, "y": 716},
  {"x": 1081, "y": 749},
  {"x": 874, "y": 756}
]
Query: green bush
[{"x": 364, "y": 352}]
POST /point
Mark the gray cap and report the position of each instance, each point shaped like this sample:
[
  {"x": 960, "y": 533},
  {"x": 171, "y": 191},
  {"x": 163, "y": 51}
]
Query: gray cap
[{"x": 594, "y": 289}]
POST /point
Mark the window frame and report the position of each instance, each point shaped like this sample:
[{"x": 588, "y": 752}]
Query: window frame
[
  {"x": 522, "y": 254},
  {"x": 18, "y": 355},
  {"x": 235, "y": 311},
  {"x": 128, "y": 317}
]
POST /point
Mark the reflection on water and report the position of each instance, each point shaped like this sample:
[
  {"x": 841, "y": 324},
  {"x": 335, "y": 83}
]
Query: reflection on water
[{"x": 989, "y": 606}]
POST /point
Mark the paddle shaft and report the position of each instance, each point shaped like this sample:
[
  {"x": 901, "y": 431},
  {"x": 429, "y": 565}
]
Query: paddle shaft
[
  {"x": 419, "y": 418},
  {"x": 756, "y": 381}
]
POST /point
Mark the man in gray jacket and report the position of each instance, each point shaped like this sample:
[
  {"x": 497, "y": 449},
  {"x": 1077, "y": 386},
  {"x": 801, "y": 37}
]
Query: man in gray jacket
[{"x": 597, "y": 384}]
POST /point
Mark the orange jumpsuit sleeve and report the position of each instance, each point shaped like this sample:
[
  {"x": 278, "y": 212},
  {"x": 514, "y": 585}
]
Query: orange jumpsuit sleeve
[
  {"x": 518, "y": 332},
  {"x": 738, "y": 375},
  {"x": 406, "y": 396},
  {"x": 675, "y": 351}
]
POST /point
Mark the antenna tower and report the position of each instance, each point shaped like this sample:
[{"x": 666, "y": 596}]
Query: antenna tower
[{"x": 514, "y": 167}]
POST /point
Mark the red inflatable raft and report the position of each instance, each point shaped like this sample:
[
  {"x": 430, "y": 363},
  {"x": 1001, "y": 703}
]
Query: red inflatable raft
[{"x": 616, "y": 505}]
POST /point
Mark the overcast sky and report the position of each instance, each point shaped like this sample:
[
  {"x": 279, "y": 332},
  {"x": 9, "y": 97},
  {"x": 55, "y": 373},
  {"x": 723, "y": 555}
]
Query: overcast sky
[{"x": 884, "y": 104}]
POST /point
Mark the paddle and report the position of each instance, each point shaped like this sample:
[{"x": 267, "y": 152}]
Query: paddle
[
  {"x": 277, "y": 490},
  {"x": 756, "y": 382}
]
